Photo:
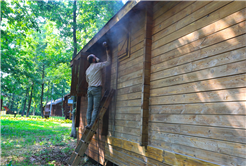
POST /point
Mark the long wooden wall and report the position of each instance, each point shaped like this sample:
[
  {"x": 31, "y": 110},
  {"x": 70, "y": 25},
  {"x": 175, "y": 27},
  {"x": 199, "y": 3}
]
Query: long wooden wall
[
  {"x": 125, "y": 124},
  {"x": 197, "y": 88}
]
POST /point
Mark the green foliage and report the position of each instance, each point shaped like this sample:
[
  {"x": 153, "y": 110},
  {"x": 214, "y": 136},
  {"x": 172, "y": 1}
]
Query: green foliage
[{"x": 37, "y": 36}]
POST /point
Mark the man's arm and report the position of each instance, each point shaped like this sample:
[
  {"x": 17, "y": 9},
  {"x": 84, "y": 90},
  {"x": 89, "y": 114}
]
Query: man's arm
[
  {"x": 87, "y": 80},
  {"x": 106, "y": 63}
]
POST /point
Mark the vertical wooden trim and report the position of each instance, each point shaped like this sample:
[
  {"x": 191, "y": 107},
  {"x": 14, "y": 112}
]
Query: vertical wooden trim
[
  {"x": 146, "y": 73},
  {"x": 77, "y": 116},
  {"x": 74, "y": 78},
  {"x": 107, "y": 85},
  {"x": 116, "y": 92}
]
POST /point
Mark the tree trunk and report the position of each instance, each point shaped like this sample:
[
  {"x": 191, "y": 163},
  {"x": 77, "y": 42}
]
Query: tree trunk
[
  {"x": 42, "y": 93},
  {"x": 29, "y": 104},
  {"x": 62, "y": 105},
  {"x": 51, "y": 98},
  {"x": 34, "y": 109},
  {"x": 12, "y": 102},
  {"x": 23, "y": 111},
  {"x": 73, "y": 133},
  {"x": 74, "y": 29}
]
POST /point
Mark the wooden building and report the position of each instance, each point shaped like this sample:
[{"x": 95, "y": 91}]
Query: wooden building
[
  {"x": 58, "y": 105},
  {"x": 179, "y": 73},
  {"x": 67, "y": 106}
]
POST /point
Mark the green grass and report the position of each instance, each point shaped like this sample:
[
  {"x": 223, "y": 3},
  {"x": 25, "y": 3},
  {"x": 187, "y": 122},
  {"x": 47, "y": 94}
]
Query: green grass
[
  {"x": 35, "y": 141},
  {"x": 33, "y": 116}
]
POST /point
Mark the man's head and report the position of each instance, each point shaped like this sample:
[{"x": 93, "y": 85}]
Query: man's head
[{"x": 92, "y": 58}]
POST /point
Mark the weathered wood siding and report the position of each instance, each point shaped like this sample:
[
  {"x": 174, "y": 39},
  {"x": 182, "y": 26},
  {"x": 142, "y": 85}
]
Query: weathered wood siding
[
  {"x": 56, "y": 110},
  {"x": 128, "y": 96},
  {"x": 197, "y": 88},
  {"x": 197, "y": 106}
]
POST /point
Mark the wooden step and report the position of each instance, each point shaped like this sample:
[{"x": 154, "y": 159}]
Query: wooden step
[{"x": 87, "y": 135}]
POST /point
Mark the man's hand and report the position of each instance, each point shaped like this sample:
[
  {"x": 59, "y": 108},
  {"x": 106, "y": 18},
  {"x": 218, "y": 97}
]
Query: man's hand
[{"x": 105, "y": 44}]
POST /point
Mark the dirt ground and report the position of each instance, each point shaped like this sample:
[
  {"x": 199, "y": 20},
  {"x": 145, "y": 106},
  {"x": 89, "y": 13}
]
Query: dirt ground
[{"x": 45, "y": 155}]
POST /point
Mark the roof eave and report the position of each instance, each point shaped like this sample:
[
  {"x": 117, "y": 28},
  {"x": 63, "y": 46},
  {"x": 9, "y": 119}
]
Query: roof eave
[{"x": 115, "y": 19}]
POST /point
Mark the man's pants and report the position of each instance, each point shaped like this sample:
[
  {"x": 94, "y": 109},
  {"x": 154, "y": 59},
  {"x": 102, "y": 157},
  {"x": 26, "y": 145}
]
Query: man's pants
[{"x": 94, "y": 98}]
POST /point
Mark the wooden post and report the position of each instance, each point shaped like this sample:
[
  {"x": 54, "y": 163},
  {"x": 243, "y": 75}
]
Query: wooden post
[{"x": 146, "y": 73}]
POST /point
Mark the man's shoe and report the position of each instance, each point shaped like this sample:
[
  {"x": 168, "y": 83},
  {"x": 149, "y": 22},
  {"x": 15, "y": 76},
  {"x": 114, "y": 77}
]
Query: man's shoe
[{"x": 88, "y": 126}]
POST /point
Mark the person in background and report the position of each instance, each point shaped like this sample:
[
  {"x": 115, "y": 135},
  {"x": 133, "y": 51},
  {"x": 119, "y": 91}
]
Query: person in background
[{"x": 94, "y": 80}]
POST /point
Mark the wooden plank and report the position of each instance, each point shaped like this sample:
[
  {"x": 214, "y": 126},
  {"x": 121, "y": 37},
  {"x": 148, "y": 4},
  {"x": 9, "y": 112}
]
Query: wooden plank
[
  {"x": 225, "y": 108},
  {"x": 73, "y": 90},
  {"x": 130, "y": 117},
  {"x": 137, "y": 47},
  {"x": 219, "y": 133},
  {"x": 126, "y": 123},
  {"x": 132, "y": 57},
  {"x": 130, "y": 96},
  {"x": 218, "y": 14},
  {"x": 123, "y": 157},
  {"x": 221, "y": 24},
  {"x": 114, "y": 160},
  {"x": 94, "y": 155},
  {"x": 164, "y": 9},
  {"x": 128, "y": 130},
  {"x": 130, "y": 110},
  {"x": 220, "y": 71},
  {"x": 158, "y": 5},
  {"x": 181, "y": 159},
  {"x": 224, "y": 147},
  {"x": 221, "y": 59},
  {"x": 146, "y": 73},
  {"x": 131, "y": 89},
  {"x": 169, "y": 61},
  {"x": 198, "y": 153},
  {"x": 194, "y": 17},
  {"x": 155, "y": 153},
  {"x": 147, "y": 161},
  {"x": 129, "y": 83},
  {"x": 132, "y": 66},
  {"x": 235, "y": 121},
  {"x": 173, "y": 18},
  {"x": 234, "y": 135},
  {"x": 214, "y": 84},
  {"x": 130, "y": 76},
  {"x": 137, "y": 39},
  {"x": 212, "y": 39},
  {"x": 129, "y": 103},
  {"x": 212, "y": 96},
  {"x": 127, "y": 137}
]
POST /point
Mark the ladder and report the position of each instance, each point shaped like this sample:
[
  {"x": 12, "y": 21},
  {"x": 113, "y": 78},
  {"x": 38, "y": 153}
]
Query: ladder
[{"x": 85, "y": 140}]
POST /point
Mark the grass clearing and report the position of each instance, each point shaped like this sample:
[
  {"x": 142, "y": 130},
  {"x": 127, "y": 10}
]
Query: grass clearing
[{"x": 35, "y": 141}]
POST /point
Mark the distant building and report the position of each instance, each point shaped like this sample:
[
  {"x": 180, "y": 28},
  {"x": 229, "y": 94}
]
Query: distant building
[{"x": 57, "y": 106}]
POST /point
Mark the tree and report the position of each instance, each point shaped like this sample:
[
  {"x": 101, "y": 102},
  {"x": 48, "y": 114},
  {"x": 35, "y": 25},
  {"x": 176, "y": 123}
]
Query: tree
[{"x": 38, "y": 40}]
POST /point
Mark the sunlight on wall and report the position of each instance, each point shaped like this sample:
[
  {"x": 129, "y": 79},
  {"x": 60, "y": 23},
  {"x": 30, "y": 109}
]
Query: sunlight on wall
[{"x": 124, "y": 1}]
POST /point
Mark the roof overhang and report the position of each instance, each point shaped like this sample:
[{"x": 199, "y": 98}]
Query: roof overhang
[{"x": 112, "y": 22}]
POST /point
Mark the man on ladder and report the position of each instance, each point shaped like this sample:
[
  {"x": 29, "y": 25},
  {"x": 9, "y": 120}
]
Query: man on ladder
[{"x": 94, "y": 79}]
